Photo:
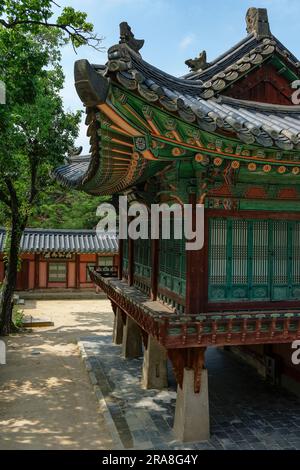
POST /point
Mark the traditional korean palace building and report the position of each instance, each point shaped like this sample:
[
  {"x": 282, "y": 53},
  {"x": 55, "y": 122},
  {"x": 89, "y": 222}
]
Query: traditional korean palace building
[
  {"x": 226, "y": 135},
  {"x": 61, "y": 258}
]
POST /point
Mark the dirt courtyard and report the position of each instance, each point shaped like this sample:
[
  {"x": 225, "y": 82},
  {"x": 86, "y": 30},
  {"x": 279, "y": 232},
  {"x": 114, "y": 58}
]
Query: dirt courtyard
[{"x": 46, "y": 399}]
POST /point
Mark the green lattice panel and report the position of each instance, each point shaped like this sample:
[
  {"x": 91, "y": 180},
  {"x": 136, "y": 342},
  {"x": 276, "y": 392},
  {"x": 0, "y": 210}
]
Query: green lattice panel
[{"x": 254, "y": 260}]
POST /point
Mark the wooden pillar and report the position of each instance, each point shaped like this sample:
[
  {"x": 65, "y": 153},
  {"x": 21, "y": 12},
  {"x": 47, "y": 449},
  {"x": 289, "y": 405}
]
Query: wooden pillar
[
  {"x": 118, "y": 327},
  {"x": 196, "y": 273},
  {"x": 130, "y": 261},
  {"x": 25, "y": 274},
  {"x": 36, "y": 271},
  {"x": 155, "y": 268},
  {"x": 121, "y": 253},
  {"x": 77, "y": 271}
]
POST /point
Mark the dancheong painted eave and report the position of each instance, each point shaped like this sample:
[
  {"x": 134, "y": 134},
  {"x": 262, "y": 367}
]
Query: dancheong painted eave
[{"x": 139, "y": 117}]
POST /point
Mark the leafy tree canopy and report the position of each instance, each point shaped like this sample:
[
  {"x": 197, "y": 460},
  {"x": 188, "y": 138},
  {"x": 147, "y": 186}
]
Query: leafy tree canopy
[
  {"x": 35, "y": 130},
  {"x": 31, "y": 14},
  {"x": 63, "y": 208}
]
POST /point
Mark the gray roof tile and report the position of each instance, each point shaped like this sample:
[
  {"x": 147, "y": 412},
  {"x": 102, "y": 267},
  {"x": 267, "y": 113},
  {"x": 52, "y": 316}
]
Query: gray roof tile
[{"x": 79, "y": 241}]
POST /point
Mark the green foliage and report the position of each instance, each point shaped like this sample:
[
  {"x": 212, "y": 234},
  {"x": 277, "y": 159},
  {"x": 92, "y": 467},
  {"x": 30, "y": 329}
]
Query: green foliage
[
  {"x": 18, "y": 317},
  {"x": 62, "y": 208},
  {"x": 29, "y": 15},
  {"x": 35, "y": 130}
]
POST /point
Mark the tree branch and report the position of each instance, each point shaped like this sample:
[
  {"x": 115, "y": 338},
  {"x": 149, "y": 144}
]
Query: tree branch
[{"x": 72, "y": 32}]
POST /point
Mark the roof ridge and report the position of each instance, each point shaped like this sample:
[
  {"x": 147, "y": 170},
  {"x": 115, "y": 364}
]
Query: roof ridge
[
  {"x": 61, "y": 230},
  {"x": 258, "y": 105},
  {"x": 222, "y": 56}
]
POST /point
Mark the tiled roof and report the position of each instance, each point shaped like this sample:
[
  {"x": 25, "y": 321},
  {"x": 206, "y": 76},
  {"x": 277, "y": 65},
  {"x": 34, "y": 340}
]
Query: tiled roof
[
  {"x": 73, "y": 173},
  {"x": 196, "y": 98},
  {"x": 270, "y": 126},
  {"x": 250, "y": 50},
  {"x": 75, "y": 241}
]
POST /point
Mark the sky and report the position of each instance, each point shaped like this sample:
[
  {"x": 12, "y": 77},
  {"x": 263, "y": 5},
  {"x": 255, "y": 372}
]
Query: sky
[{"x": 174, "y": 30}]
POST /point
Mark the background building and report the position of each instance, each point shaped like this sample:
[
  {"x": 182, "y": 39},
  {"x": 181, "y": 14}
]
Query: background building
[{"x": 60, "y": 258}]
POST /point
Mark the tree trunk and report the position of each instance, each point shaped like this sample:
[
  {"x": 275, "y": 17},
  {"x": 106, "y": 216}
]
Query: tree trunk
[{"x": 10, "y": 280}]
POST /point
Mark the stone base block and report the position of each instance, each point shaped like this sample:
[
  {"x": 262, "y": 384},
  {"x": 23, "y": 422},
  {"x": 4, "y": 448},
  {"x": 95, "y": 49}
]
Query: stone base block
[
  {"x": 155, "y": 373},
  {"x": 132, "y": 340},
  {"x": 192, "y": 410}
]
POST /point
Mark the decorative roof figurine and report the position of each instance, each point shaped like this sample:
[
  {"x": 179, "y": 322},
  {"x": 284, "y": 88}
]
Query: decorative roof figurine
[
  {"x": 127, "y": 37},
  {"x": 75, "y": 151},
  {"x": 258, "y": 22},
  {"x": 199, "y": 63}
]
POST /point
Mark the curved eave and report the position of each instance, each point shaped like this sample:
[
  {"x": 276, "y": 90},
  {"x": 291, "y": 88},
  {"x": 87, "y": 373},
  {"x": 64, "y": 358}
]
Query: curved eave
[
  {"x": 72, "y": 175},
  {"x": 113, "y": 165}
]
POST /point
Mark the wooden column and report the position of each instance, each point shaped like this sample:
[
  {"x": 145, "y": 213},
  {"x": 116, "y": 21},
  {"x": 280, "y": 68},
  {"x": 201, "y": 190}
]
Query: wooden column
[
  {"x": 23, "y": 275},
  {"x": 121, "y": 252},
  {"x": 77, "y": 271},
  {"x": 130, "y": 259},
  {"x": 118, "y": 327},
  {"x": 196, "y": 273},
  {"x": 155, "y": 268},
  {"x": 36, "y": 271}
]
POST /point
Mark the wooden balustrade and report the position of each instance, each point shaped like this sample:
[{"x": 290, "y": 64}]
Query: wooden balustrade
[{"x": 175, "y": 330}]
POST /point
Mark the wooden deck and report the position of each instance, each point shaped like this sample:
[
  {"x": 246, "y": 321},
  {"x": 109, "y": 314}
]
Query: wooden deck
[{"x": 175, "y": 330}]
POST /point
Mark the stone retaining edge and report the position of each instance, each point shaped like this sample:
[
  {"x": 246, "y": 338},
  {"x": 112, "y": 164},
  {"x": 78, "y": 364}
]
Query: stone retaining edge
[{"x": 103, "y": 408}]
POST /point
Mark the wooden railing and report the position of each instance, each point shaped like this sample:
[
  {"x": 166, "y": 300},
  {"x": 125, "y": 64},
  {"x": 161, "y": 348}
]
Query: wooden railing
[{"x": 177, "y": 330}]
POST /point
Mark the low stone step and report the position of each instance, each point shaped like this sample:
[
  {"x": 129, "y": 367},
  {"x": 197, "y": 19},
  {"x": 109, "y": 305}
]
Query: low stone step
[{"x": 33, "y": 322}]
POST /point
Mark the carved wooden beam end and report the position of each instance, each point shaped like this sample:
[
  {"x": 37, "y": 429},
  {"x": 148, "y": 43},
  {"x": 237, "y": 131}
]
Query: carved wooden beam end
[{"x": 190, "y": 358}]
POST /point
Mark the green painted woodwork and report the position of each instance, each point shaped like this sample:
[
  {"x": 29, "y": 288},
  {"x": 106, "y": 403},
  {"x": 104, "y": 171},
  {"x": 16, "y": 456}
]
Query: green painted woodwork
[
  {"x": 254, "y": 260},
  {"x": 172, "y": 269},
  {"x": 115, "y": 150},
  {"x": 286, "y": 72},
  {"x": 125, "y": 256},
  {"x": 142, "y": 263},
  {"x": 165, "y": 122},
  {"x": 275, "y": 206}
]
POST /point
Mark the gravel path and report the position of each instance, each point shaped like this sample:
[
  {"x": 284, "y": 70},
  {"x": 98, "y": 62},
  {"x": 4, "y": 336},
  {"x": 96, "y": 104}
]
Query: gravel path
[{"x": 46, "y": 399}]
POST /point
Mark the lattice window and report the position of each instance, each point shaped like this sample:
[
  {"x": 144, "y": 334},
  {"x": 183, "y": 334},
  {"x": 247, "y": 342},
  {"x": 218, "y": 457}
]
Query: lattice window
[
  {"x": 239, "y": 252},
  {"x": 142, "y": 252},
  {"x": 218, "y": 252},
  {"x": 296, "y": 253},
  {"x": 260, "y": 265},
  {"x": 57, "y": 272},
  {"x": 280, "y": 253},
  {"x": 254, "y": 259},
  {"x": 172, "y": 266},
  {"x": 172, "y": 257}
]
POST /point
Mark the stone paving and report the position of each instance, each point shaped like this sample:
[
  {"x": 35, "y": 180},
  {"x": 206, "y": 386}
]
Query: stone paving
[{"x": 246, "y": 412}]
